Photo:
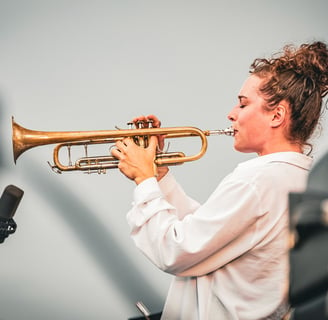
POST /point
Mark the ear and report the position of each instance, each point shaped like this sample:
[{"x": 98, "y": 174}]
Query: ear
[{"x": 279, "y": 115}]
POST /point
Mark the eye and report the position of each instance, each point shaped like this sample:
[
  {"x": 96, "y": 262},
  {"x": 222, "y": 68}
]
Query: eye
[{"x": 242, "y": 106}]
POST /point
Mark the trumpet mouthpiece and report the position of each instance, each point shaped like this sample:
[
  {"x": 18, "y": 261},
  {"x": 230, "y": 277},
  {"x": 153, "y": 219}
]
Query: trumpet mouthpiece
[{"x": 228, "y": 132}]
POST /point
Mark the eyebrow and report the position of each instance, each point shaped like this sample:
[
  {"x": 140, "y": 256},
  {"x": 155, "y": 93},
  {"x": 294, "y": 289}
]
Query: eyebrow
[{"x": 242, "y": 97}]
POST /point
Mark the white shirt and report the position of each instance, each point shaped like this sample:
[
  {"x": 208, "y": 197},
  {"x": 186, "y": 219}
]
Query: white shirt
[{"x": 229, "y": 255}]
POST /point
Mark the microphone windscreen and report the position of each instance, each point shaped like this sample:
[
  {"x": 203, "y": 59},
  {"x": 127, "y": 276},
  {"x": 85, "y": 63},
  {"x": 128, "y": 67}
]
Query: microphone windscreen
[{"x": 9, "y": 201}]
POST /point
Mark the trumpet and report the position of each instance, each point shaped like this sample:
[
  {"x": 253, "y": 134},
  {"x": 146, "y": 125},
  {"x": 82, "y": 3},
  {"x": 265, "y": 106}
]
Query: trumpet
[{"x": 24, "y": 139}]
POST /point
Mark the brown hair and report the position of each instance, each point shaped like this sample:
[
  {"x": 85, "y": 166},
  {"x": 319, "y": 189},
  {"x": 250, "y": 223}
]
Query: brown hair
[{"x": 300, "y": 77}]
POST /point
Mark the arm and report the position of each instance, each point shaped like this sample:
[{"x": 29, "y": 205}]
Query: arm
[
  {"x": 175, "y": 195},
  {"x": 218, "y": 231}
]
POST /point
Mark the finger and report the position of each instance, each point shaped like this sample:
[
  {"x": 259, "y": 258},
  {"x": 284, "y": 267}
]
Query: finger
[
  {"x": 161, "y": 142},
  {"x": 153, "y": 143},
  {"x": 119, "y": 149},
  {"x": 120, "y": 145},
  {"x": 115, "y": 152},
  {"x": 140, "y": 119},
  {"x": 155, "y": 121}
]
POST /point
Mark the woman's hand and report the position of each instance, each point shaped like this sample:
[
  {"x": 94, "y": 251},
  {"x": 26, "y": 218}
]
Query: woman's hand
[
  {"x": 151, "y": 121},
  {"x": 155, "y": 123},
  {"x": 138, "y": 163}
]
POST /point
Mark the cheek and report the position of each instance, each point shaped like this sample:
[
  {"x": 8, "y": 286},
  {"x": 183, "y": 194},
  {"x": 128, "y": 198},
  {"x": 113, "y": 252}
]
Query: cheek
[
  {"x": 252, "y": 122},
  {"x": 249, "y": 125},
  {"x": 251, "y": 131}
]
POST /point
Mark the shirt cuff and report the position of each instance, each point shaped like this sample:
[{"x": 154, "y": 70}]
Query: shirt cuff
[
  {"x": 148, "y": 200},
  {"x": 146, "y": 190}
]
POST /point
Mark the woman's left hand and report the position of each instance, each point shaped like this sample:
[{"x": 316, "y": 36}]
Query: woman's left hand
[{"x": 136, "y": 163}]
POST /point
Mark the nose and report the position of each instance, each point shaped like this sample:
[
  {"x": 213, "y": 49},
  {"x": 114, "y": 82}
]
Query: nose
[{"x": 232, "y": 115}]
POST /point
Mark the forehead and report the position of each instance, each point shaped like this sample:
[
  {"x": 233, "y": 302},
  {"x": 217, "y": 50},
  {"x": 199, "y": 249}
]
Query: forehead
[{"x": 250, "y": 88}]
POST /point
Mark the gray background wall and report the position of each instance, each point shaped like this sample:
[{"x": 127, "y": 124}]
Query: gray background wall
[{"x": 91, "y": 65}]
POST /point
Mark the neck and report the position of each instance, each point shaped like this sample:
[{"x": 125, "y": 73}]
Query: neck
[{"x": 281, "y": 147}]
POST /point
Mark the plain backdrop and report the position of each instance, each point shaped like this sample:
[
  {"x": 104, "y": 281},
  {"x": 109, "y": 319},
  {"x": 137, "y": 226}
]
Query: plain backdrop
[{"x": 69, "y": 65}]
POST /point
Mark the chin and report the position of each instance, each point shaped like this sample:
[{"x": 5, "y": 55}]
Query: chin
[{"x": 244, "y": 149}]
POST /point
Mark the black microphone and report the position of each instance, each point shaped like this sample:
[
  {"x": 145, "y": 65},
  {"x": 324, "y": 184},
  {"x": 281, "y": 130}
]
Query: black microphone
[{"x": 9, "y": 202}]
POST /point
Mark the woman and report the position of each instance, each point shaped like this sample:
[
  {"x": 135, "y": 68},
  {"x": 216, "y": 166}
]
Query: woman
[{"x": 230, "y": 254}]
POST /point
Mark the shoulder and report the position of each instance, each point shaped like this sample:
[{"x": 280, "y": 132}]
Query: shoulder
[{"x": 276, "y": 173}]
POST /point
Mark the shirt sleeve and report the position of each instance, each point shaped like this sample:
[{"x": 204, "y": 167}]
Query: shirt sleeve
[
  {"x": 176, "y": 196},
  {"x": 217, "y": 232}
]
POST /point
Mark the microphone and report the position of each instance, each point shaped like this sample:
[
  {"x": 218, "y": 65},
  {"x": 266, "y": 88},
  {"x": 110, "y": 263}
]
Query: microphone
[{"x": 9, "y": 202}]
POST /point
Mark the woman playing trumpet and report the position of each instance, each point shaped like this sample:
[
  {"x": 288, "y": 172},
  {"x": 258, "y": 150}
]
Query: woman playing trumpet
[{"x": 229, "y": 255}]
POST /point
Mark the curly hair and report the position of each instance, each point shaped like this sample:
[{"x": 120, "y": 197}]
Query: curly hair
[{"x": 300, "y": 77}]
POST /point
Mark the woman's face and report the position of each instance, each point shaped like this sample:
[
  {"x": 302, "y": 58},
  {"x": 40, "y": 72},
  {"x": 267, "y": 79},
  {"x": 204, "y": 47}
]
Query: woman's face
[{"x": 250, "y": 120}]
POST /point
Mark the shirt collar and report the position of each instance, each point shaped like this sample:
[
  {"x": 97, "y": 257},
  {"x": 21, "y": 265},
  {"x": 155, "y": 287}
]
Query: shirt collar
[{"x": 293, "y": 158}]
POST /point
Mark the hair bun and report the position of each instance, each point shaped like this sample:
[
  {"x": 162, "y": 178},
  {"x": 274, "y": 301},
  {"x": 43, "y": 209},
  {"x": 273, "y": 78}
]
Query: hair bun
[{"x": 309, "y": 61}]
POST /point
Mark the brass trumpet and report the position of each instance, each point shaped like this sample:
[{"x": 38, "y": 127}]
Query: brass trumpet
[{"x": 24, "y": 139}]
